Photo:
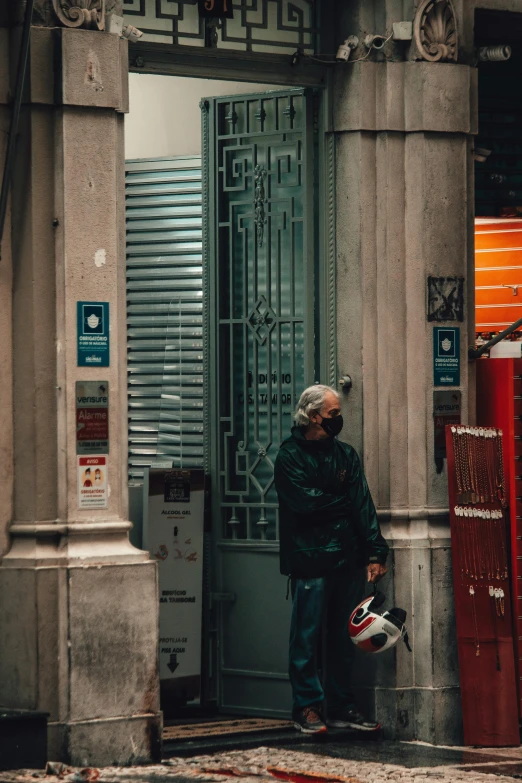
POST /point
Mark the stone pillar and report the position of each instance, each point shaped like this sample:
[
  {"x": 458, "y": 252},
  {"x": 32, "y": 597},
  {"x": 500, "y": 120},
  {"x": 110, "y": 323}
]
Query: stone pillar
[
  {"x": 6, "y": 393},
  {"x": 405, "y": 206},
  {"x": 78, "y": 603}
]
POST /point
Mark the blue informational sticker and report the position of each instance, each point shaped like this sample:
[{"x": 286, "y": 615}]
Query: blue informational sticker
[
  {"x": 93, "y": 334},
  {"x": 446, "y": 356}
]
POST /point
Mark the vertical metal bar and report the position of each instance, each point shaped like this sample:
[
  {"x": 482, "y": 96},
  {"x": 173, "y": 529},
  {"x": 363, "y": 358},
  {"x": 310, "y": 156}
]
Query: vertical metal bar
[
  {"x": 255, "y": 296},
  {"x": 212, "y": 396},
  {"x": 279, "y": 333},
  {"x": 207, "y": 248},
  {"x": 208, "y": 359},
  {"x": 278, "y": 330},
  {"x": 245, "y": 336},
  {"x": 256, "y": 403},
  {"x": 268, "y": 277},
  {"x": 229, "y": 309},
  {"x": 326, "y": 302},
  {"x": 292, "y": 297},
  {"x": 15, "y": 115},
  {"x": 180, "y": 359},
  {"x": 308, "y": 235}
]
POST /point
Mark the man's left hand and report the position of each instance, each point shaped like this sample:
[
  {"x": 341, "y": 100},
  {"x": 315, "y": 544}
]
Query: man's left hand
[{"x": 376, "y": 572}]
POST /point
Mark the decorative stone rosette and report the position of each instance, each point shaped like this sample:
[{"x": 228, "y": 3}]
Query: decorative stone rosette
[
  {"x": 435, "y": 31},
  {"x": 88, "y": 14}
]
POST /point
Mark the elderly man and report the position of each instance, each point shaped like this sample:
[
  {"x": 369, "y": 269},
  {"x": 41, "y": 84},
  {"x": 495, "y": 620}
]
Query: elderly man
[{"x": 329, "y": 537}]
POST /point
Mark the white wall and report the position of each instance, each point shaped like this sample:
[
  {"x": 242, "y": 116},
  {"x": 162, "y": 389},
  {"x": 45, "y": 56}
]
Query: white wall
[{"x": 165, "y": 118}]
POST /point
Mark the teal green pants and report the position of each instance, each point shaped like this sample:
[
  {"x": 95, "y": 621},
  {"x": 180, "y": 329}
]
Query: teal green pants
[{"x": 324, "y": 602}]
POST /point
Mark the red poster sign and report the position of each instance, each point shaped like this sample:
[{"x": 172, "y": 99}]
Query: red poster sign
[
  {"x": 92, "y": 417},
  {"x": 92, "y": 423}
]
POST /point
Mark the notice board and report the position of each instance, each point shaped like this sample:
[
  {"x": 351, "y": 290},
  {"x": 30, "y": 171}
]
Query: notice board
[{"x": 173, "y": 529}]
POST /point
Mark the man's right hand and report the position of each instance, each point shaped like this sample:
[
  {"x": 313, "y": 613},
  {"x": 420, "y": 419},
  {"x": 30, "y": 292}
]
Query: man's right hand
[{"x": 375, "y": 572}]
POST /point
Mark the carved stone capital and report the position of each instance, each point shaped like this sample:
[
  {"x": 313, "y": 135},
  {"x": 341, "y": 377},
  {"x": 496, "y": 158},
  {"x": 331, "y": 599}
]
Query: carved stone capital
[
  {"x": 88, "y": 14},
  {"x": 81, "y": 14},
  {"x": 435, "y": 31}
]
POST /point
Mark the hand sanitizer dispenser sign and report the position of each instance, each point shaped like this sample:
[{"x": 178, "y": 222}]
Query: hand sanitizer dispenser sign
[
  {"x": 174, "y": 504},
  {"x": 446, "y": 356}
]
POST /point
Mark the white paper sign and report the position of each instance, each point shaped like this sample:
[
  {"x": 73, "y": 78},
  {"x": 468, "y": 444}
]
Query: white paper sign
[
  {"x": 174, "y": 527},
  {"x": 92, "y": 481}
]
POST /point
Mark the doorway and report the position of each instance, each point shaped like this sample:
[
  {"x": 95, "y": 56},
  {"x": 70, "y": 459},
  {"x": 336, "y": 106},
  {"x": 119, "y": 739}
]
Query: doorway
[{"x": 223, "y": 263}]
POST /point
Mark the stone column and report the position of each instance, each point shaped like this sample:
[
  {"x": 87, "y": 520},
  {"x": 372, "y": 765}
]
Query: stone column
[
  {"x": 78, "y": 603},
  {"x": 405, "y": 208},
  {"x": 6, "y": 394}
]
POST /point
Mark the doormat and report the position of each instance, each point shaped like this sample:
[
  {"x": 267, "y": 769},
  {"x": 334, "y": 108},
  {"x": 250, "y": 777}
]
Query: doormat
[
  {"x": 280, "y": 774},
  {"x": 218, "y": 728}
]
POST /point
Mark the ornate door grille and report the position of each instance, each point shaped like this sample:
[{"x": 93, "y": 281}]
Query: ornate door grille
[
  {"x": 261, "y": 322},
  {"x": 268, "y": 26}
]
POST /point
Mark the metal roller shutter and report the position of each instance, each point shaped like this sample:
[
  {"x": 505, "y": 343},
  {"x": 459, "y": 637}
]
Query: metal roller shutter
[{"x": 164, "y": 313}]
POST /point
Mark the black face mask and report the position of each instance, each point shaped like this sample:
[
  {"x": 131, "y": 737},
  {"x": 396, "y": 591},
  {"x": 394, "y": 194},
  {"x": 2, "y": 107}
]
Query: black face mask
[{"x": 332, "y": 427}]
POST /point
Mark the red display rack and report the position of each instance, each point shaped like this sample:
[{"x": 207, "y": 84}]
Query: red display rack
[
  {"x": 499, "y": 404},
  {"x": 481, "y": 584}
]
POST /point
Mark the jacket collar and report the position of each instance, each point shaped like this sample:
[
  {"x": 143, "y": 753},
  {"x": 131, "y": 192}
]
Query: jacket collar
[{"x": 324, "y": 444}]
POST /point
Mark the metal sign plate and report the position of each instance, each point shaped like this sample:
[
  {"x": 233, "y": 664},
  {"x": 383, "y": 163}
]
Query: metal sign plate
[
  {"x": 446, "y": 356},
  {"x": 93, "y": 334},
  {"x": 92, "y": 417},
  {"x": 446, "y": 410}
]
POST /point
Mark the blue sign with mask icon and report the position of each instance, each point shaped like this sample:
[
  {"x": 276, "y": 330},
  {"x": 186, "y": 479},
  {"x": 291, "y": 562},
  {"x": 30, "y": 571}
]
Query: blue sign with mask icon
[
  {"x": 446, "y": 356},
  {"x": 93, "y": 334}
]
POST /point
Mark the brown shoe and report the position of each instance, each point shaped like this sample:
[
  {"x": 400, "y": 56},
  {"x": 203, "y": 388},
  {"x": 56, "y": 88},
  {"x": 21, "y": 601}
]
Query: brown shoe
[{"x": 309, "y": 720}]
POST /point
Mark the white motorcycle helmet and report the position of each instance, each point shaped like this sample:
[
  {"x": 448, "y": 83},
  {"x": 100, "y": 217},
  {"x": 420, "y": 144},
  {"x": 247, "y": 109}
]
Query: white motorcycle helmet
[{"x": 374, "y": 632}]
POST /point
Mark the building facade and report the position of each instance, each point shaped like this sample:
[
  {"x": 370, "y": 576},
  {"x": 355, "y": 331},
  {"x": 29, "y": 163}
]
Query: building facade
[{"x": 393, "y": 133}]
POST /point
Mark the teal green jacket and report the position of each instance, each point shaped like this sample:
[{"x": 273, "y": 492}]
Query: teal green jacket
[{"x": 326, "y": 513}]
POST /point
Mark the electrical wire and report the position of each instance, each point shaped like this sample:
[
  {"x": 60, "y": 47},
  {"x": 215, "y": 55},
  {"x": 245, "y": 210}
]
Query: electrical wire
[
  {"x": 347, "y": 62},
  {"x": 318, "y": 59}
]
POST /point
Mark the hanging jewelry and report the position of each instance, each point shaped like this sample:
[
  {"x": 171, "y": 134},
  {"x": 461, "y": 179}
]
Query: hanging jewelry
[
  {"x": 471, "y": 549},
  {"x": 497, "y": 600},
  {"x": 490, "y": 542},
  {"x": 458, "y": 471},
  {"x": 474, "y": 612},
  {"x": 502, "y": 478},
  {"x": 501, "y": 537},
  {"x": 473, "y": 465},
  {"x": 494, "y": 618},
  {"x": 481, "y": 549},
  {"x": 484, "y": 488}
]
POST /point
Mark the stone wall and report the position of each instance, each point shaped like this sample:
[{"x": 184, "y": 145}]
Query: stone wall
[{"x": 78, "y": 603}]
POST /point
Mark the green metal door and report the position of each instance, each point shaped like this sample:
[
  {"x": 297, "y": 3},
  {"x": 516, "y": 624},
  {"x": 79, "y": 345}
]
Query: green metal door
[{"x": 259, "y": 239}]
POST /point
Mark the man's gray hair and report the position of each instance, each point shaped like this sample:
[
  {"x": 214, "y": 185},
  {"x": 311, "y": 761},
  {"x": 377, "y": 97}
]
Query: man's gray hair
[{"x": 311, "y": 401}]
